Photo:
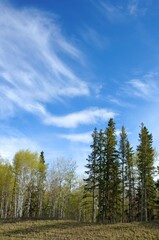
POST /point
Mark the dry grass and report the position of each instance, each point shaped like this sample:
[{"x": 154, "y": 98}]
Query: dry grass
[{"x": 68, "y": 230}]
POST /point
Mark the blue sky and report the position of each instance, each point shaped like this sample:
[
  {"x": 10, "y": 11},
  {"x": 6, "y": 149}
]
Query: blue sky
[{"x": 67, "y": 66}]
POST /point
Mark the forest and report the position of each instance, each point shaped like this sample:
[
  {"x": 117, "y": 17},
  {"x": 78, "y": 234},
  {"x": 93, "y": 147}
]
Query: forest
[{"x": 120, "y": 183}]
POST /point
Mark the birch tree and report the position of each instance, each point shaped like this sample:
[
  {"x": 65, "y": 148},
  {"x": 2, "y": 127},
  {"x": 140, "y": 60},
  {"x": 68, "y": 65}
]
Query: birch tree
[{"x": 25, "y": 169}]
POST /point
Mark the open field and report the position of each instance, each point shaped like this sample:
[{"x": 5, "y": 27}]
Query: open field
[{"x": 65, "y": 230}]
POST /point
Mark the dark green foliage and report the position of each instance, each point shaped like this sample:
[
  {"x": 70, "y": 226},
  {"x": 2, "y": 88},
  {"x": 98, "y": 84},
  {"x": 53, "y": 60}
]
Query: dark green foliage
[
  {"x": 122, "y": 154},
  {"x": 130, "y": 182},
  {"x": 111, "y": 175},
  {"x": 121, "y": 183},
  {"x": 91, "y": 181},
  {"x": 42, "y": 159},
  {"x": 145, "y": 153},
  {"x": 103, "y": 175},
  {"x": 41, "y": 183}
]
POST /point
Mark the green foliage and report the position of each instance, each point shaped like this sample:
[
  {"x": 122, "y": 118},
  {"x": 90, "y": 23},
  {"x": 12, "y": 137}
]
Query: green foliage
[
  {"x": 6, "y": 186},
  {"x": 119, "y": 184},
  {"x": 103, "y": 175},
  {"x": 145, "y": 162}
]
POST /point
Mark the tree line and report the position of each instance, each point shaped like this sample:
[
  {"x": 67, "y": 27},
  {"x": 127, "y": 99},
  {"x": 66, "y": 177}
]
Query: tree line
[
  {"x": 118, "y": 186},
  {"x": 29, "y": 189},
  {"x": 120, "y": 181}
]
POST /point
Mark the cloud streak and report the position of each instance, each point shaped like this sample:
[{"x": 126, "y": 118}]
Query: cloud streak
[
  {"x": 33, "y": 69},
  {"x": 119, "y": 12},
  {"x": 145, "y": 87},
  {"x": 94, "y": 38},
  {"x": 73, "y": 120},
  {"x": 78, "y": 137},
  {"x": 138, "y": 7},
  {"x": 113, "y": 13}
]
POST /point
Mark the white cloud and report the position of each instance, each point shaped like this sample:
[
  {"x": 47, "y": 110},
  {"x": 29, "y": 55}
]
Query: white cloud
[
  {"x": 88, "y": 116},
  {"x": 141, "y": 88},
  {"x": 11, "y": 144},
  {"x": 120, "y": 11},
  {"x": 32, "y": 66},
  {"x": 145, "y": 87},
  {"x": 72, "y": 120},
  {"x": 114, "y": 100},
  {"x": 133, "y": 8},
  {"x": 138, "y": 7},
  {"x": 94, "y": 38},
  {"x": 79, "y": 137},
  {"x": 114, "y": 13}
]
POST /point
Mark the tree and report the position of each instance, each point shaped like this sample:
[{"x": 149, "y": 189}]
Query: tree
[
  {"x": 145, "y": 153},
  {"x": 122, "y": 153},
  {"x": 91, "y": 181},
  {"x": 61, "y": 183},
  {"x": 25, "y": 166},
  {"x": 130, "y": 180},
  {"x": 100, "y": 175},
  {"x": 6, "y": 187},
  {"x": 111, "y": 175},
  {"x": 42, "y": 167}
]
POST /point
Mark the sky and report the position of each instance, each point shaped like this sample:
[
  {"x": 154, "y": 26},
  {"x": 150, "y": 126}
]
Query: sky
[{"x": 68, "y": 66}]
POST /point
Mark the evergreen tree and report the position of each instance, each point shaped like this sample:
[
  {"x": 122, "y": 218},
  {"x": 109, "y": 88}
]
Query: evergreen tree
[
  {"x": 145, "y": 153},
  {"x": 91, "y": 181},
  {"x": 130, "y": 181},
  {"x": 122, "y": 152},
  {"x": 41, "y": 182},
  {"x": 111, "y": 175},
  {"x": 100, "y": 175}
]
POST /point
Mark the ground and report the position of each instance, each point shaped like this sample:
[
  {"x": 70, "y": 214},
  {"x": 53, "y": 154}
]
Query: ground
[{"x": 69, "y": 230}]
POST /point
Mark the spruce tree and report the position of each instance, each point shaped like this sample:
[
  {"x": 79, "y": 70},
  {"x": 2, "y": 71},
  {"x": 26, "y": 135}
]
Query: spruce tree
[
  {"x": 145, "y": 153},
  {"x": 111, "y": 175},
  {"x": 91, "y": 180},
  {"x": 130, "y": 181},
  {"x": 100, "y": 175},
  {"x": 122, "y": 153},
  {"x": 41, "y": 182}
]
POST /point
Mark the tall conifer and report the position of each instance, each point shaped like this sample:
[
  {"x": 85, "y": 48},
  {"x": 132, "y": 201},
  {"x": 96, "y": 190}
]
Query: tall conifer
[
  {"x": 111, "y": 175},
  {"x": 145, "y": 153},
  {"x": 122, "y": 153},
  {"x": 91, "y": 181}
]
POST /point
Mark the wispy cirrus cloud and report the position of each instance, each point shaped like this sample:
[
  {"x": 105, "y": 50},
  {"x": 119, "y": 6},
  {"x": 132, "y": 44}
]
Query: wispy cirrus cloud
[
  {"x": 119, "y": 12},
  {"x": 141, "y": 89},
  {"x": 78, "y": 137},
  {"x": 114, "y": 13},
  {"x": 138, "y": 7},
  {"x": 145, "y": 87},
  {"x": 115, "y": 100},
  {"x": 94, "y": 38},
  {"x": 33, "y": 62},
  {"x": 133, "y": 7},
  {"x": 73, "y": 120}
]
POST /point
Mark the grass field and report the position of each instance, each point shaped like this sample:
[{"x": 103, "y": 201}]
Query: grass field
[{"x": 65, "y": 230}]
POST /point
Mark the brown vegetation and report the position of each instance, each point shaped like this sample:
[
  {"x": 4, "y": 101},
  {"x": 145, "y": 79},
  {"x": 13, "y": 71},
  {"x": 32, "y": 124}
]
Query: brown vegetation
[{"x": 69, "y": 230}]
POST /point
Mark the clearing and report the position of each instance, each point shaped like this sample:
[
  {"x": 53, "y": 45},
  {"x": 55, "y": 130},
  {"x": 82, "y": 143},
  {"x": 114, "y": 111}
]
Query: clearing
[{"x": 70, "y": 230}]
